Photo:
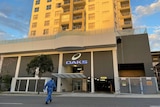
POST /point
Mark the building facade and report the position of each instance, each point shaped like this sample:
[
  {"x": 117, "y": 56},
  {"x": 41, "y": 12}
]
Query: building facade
[
  {"x": 87, "y": 64},
  {"x": 91, "y": 44},
  {"x": 50, "y": 17}
]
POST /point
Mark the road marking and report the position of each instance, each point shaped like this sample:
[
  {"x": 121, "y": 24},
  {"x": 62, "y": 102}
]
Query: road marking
[
  {"x": 10, "y": 103},
  {"x": 155, "y": 106}
]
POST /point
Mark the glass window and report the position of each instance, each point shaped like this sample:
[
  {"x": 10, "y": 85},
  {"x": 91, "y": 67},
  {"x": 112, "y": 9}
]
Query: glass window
[
  {"x": 35, "y": 17},
  {"x": 91, "y": 16},
  {"x": 33, "y": 33},
  {"x": 34, "y": 24},
  {"x": 46, "y": 31},
  {"x": 47, "y": 15},
  {"x": 49, "y": 0},
  {"x": 36, "y": 9},
  {"x": 37, "y": 2},
  {"x": 91, "y": 7},
  {"x": 57, "y": 13},
  {"x": 48, "y": 7},
  {"x": 56, "y": 22},
  {"x": 105, "y": 13},
  {"x": 91, "y": 26},
  {"x": 58, "y": 5},
  {"x": 91, "y": 0},
  {"x": 46, "y": 23},
  {"x": 55, "y": 30}
]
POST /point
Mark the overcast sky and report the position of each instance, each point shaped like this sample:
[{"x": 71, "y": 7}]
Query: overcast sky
[{"x": 15, "y": 17}]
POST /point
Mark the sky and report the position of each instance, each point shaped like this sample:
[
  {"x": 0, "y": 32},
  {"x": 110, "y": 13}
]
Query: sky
[{"x": 15, "y": 18}]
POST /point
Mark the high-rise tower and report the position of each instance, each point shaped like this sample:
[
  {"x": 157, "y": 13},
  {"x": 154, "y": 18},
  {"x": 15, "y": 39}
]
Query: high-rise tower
[{"x": 52, "y": 16}]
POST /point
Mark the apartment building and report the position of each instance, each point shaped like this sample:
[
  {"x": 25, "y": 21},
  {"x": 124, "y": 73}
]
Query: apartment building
[
  {"x": 52, "y": 16},
  {"x": 91, "y": 43}
]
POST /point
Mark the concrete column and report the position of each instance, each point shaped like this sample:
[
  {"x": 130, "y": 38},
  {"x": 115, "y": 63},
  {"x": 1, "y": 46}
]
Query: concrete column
[
  {"x": 1, "y": 62},
  {"x": 60, "y": 71},
  {"x": 13, "y": 84},
  {"x": 18, "y": 66},
  {"x": 92, "y": 74},
  {"x": 115, "y": 68}
]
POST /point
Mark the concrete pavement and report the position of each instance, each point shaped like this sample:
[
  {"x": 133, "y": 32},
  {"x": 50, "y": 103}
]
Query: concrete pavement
[{"x": 74, "y": 94}]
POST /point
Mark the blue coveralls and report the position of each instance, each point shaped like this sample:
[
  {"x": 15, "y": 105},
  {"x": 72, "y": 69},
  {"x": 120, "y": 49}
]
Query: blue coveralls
[{"x": 50, "y": 87}]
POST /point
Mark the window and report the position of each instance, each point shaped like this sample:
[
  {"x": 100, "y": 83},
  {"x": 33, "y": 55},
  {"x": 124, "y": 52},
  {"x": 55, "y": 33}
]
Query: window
[
  {"x": 56, "y": 22},
  {"x": 105, "y": 13},
  {"x": 91, "y": 7},
  {"x": 57, "y": 13},
  {"x": 33, "y": 33},
  {"x": 46, "y": 23},
  {"x": 35, "y": 17},
  {"x": 55, "y": 30},
  {"x": 91, "y": 0},
  {"x": 37, "y": 2},
  {"x": 48, "y": 7},
  {"x": 47, "y": 15},
  {"x": 45, "y": 31},
  {"x": 58, "y": 5},
  {"x": 91, "y": 16},
  {"x": 91, "y": 26},
  {"x": 49, "y": 0},
  {"x": 34, "y": 24},
  {"x": 36, "y": 9},
  {"x": 105, "y": 5}
]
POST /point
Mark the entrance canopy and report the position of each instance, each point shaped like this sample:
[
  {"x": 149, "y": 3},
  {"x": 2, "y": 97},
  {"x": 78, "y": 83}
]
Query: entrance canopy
[{"x": 69, "y": 75}]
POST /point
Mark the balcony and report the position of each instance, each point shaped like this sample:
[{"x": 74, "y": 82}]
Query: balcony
[
  {"x": 79, "y": 2},
  {"x": 127, "y": 24},
  {"x": 65, "y": 27},
  {"x": 66, "y": 4},
  {"x": 77, "y": 27},
  {"x": 66, "y": 10},
  {"x": 123, "y": 0},
  {"x": 124, "y": 6},
  {"x": 77, "y": 18},
  {"x": 125, "y": 15},
  {"x": 78, "y": 9}
]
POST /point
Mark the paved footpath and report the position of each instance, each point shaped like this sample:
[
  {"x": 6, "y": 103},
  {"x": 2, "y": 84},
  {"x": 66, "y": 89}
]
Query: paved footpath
[{"x": 72, "y": 94}]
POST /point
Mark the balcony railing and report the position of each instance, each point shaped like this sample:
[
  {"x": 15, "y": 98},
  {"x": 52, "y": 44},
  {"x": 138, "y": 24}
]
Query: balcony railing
[
  {"x": 127, "y": 22},
  {"x": 77, "y": 17},
  {"x": 75, "y": 1},
  {"x": 77, "y": 27},
  {"x": 66, "y": 10},
  {"x": 66, "y": 2},
  {"x": 78, "y": 8},
  {"x": 134, "y": 31}
]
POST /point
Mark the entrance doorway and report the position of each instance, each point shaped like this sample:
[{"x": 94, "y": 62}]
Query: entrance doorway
[
  {"x": 104, "y": 86},
  {"x": 77, "y": 85}
]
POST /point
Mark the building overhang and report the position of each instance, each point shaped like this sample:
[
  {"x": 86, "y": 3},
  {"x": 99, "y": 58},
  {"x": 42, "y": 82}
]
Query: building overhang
[
  {"x": 65, "y": 41},
  {"x": 69, "y": 75}
]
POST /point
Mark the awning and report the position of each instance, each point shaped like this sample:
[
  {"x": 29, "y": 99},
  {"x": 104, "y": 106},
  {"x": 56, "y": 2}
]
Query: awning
[{"x": 69, "y": 75}]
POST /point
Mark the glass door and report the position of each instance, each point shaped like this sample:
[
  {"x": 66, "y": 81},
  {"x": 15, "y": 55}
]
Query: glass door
[{"x": 77, "y": 85}]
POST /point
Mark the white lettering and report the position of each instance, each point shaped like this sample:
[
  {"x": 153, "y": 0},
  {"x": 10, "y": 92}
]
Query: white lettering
[{"x": 76, "y": 62}]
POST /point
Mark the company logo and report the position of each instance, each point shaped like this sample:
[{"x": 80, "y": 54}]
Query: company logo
[
  {"x": 77, "y": 62},
  {"x": 76, "y": 56},
  {"x": 74, "y": 60}
]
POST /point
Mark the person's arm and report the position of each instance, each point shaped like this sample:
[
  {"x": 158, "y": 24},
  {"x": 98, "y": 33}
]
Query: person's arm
[
  {"x": 45, "y": 85},
  {"x": 54, "y": 86}
]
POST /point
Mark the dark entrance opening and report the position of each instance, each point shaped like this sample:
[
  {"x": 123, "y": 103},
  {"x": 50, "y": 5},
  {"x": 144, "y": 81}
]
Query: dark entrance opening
[
  {"x": 131, "y": 70},
  {"x": 104, "y": 86},
  {"x": 77, "y": 69}
]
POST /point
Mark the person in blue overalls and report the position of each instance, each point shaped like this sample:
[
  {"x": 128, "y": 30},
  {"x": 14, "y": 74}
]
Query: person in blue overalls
[{"x": 51, "y": 86}]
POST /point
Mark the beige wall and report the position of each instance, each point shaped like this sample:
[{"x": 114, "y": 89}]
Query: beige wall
[{"x": 78, "y": 39}]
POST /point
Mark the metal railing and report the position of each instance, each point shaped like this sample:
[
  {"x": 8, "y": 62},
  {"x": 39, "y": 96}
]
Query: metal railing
[{"x": 138, "y": 85}]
